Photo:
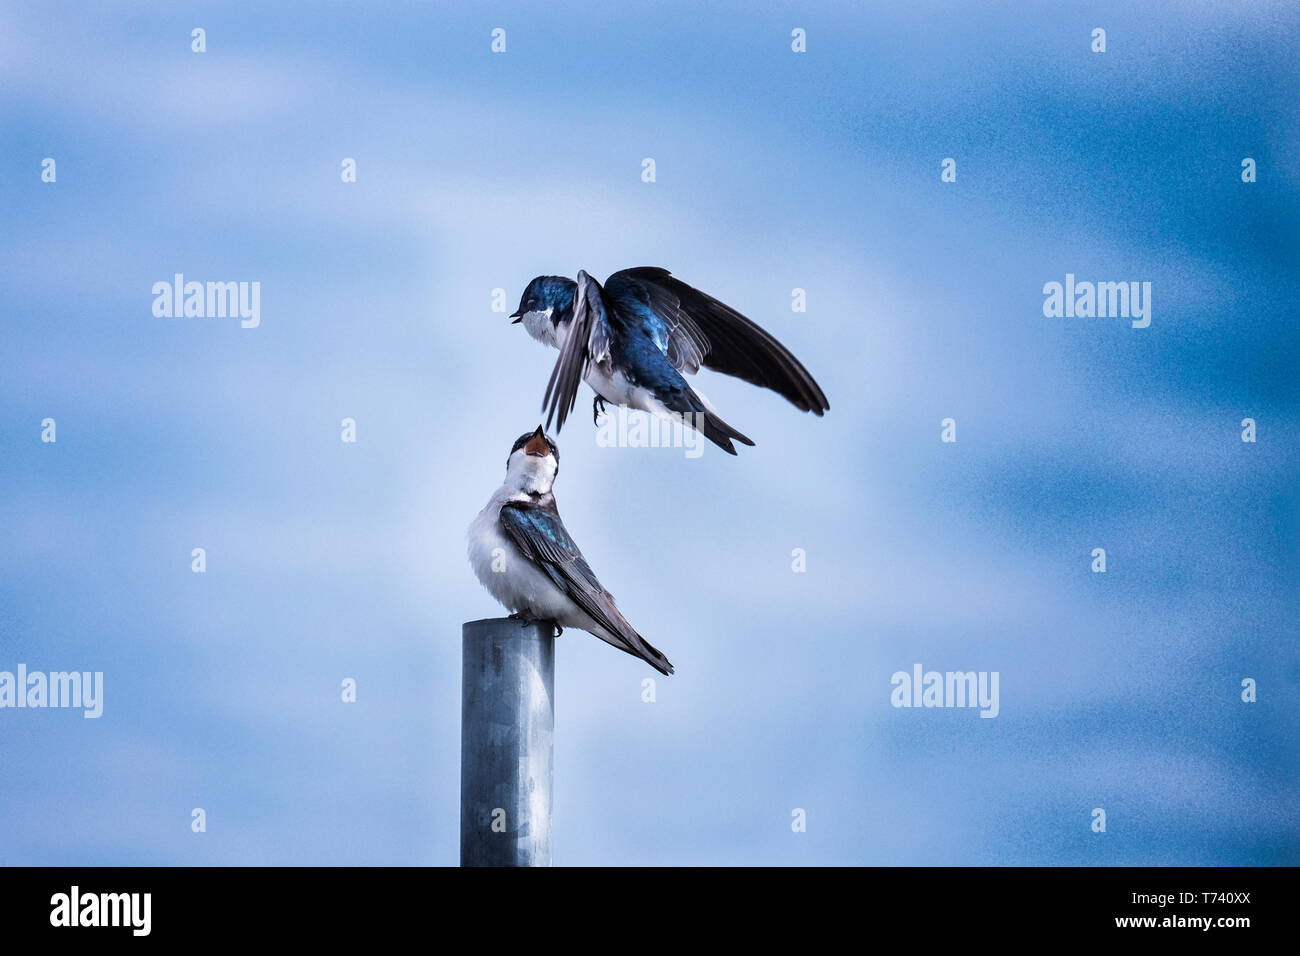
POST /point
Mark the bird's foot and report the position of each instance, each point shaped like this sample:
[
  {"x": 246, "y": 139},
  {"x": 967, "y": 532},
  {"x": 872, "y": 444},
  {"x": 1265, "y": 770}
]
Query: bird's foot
[
  {"x": 597, "y": 409},
  {"x": 525, "y": 620}
]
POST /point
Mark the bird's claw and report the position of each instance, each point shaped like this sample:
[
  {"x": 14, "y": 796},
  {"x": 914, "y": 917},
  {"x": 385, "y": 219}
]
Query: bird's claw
[{"x": 525, "y": 619}]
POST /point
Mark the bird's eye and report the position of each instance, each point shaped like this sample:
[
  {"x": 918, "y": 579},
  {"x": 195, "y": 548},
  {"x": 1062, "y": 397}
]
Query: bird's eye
[{"x": 531, "y": 303}]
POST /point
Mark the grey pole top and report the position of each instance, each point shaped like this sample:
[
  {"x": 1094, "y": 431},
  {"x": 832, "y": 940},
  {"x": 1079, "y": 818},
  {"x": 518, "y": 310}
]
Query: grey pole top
[{"x": 507, "y": 725}]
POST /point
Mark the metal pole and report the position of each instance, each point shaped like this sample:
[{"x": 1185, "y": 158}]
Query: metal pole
[{"x": 507, "y": 727}]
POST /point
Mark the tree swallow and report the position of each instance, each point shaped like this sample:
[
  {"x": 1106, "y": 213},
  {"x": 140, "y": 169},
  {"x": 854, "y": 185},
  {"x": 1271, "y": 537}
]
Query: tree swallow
[
  {"x": 522, "y": 554},
  {"x": 635, "y": 338}
]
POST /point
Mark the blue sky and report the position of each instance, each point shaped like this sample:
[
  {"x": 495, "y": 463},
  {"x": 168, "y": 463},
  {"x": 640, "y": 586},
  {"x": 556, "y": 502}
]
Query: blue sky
[{"x": 775, "y": 170}]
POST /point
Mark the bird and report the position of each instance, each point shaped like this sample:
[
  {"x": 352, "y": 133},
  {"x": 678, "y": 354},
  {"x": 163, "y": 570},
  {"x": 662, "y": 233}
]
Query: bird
[
  {"x": 636, "y": 338},
  {"x": 525, "y": 557}
]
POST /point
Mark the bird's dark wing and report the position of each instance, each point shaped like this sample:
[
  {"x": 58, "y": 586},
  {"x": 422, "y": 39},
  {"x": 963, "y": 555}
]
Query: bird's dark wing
[
  {"x": 540, "y": 535},
  {"x": 695, "y": 329},
  {"x": 588, "y": 341}
]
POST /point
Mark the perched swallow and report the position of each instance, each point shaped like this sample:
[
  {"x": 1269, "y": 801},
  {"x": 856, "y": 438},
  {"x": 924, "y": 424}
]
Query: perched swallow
[
  {"x": 634, "y": 338},
  {"x": 523, "y": 555}
]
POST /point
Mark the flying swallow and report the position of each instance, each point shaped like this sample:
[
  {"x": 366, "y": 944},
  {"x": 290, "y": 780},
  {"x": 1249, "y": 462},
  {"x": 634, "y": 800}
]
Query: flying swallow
[
  {"x": 635, "y": 338},
  {"x": 522, "y": 553}
]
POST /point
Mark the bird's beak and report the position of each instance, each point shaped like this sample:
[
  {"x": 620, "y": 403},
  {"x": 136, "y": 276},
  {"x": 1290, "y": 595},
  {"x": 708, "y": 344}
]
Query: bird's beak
[
  {"x": 518, "y": 316},
  {"x": 537, "y": 444}
]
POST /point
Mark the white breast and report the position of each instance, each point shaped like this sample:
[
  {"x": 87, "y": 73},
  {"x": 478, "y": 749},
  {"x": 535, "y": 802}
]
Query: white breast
[
  {"x": 613, "y": 386},
  {"x": 539, "y": 327},
  {"x": 510, "y": 577}
]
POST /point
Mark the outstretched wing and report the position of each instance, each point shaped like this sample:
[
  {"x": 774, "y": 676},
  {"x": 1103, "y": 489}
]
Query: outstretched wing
[
  {"x": 588, "y": 341},
  {"x": 695, "y": 329},
  {"x": 540, "y": 535}
]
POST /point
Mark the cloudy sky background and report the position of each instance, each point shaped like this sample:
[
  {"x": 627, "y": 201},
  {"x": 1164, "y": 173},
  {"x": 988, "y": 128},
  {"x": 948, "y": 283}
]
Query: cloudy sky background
[{"x": 775, "y": 170}]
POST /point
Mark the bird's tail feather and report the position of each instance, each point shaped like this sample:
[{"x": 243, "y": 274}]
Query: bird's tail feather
[
  {"x": 629, "y": 641},
  {"x": 720, "y": 433},
  {"x": 707, "y": 420},
  {"x": 652, "y": 656}
]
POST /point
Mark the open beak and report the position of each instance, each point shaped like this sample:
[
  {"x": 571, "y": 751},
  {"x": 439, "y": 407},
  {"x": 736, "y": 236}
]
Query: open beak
[
  {"x": 537, "y": 444},
  {"x": 518, "y": 316}
]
